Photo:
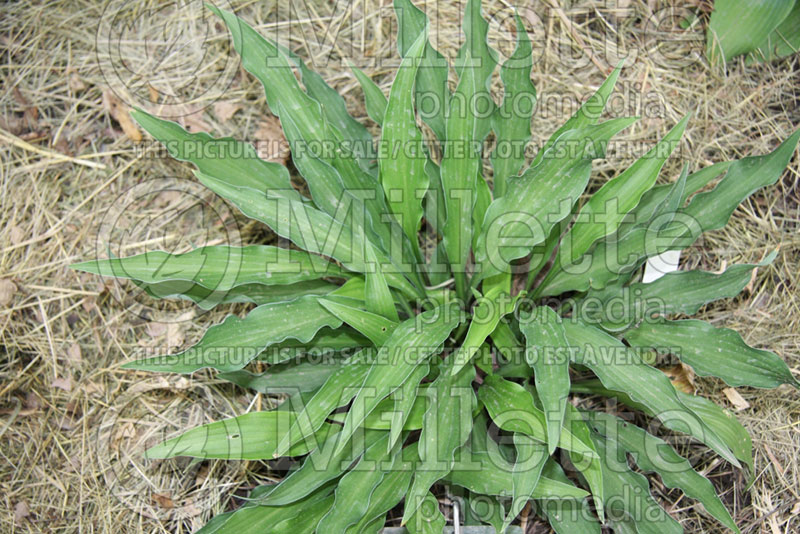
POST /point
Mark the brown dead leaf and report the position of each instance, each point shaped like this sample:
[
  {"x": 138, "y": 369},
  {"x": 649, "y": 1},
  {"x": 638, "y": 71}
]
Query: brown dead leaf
[
  {"x": 226, "y": 109},
  {"x": 120, "y": 113},
  {"x": 738, "y": 402},
  {"x": 163, "y": 500},
  {"x": 270, "y": 142},
  {"x": 74, "y": 81},
  {"x": 682, "y": 377},
  {"x": 21, "y": 511},
  {"x": 7, "y": 291},
  {"x": 74, "y": 353},
  {"x": 62, "y": 383},
  {"x": 152, "y": 93}
]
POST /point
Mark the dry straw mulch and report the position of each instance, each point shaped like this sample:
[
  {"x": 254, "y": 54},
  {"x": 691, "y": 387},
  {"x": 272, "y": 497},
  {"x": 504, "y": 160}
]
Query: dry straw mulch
[{"x": 73, "y": 424}]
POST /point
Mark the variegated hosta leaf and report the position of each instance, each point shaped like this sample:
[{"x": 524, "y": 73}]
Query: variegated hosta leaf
[
  {"x": 627, "y": 494},
  {"x": 411, "y": 343},
  {"x": 721, "y": 421},
  {"x": 511, "y": 121},
  {"x": 654, "y": 455},
  {"x": 376, "y": 327},
  {"x": 402, "y": 170},
  {"x": 676, "y": 292},
  {"x": 541, "y": 197},
  {"x": 233, "y": 343},
  {"x": 706, "y": 211},
  {"x": 546, "y": 353},
  {"x": 621, "y": 369},
  {"x": 252, "y": 436},
  {"x": 512, "y": 408},
  {"x": 711, "y": 351},
  {"x": 446, "y": 426}
]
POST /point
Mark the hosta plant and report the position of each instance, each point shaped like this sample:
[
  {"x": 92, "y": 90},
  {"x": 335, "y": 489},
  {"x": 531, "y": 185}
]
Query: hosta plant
[{"x": 467, "y": 313}]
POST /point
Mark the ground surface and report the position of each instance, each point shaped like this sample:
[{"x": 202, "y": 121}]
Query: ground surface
[{"x": 73, "y": 183}]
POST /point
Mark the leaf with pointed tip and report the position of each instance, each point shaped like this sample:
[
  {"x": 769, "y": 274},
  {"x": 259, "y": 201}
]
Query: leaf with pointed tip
[
  {"x": 376, "y": 327},
  {"x": 603, "y": 353},
  {"x": 376, "y": 291},
  {"x": 487, "y": 475},
  {"x": 411, "y": 343},
  {"x": 432, "y": 93},
  {"x": 566, "y": 516},
  {"x": 374, "y": 99},
  {"x": 541, "y": 197},
  {"x": 547, "y": 356},
  {"x": 531, "y": 456},
  {"x": 512, "y": 408},
  {"x": 627, "y": 494},
  {"x": 446, "y": 426},
  {"x": 402, "y": 173},
  {"x": 676, "y": 292},
  {"x": 486, "y": 315},
  {"x": 252, "y": 436},
  {"x": 654, "y": 455},
  {"x": 783, "y": 41},
  {"x": 511, "y": 121},
  {"x": 737, "y": 28},
  {"x": 459, "y": 173},
  {"x": 233, "y": 343},
  {"x": 286, "y": 378},
  {"x": 338, "y": 390},
  {"x": 319, "y": 468},
  {"x": 606, "y": 208},
  {"x": 711, "y": 351},
  {"x": 719, "y": 420}
]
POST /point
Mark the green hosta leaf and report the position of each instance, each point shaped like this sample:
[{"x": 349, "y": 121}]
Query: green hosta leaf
[
  {"x": 233, "y": 343},
  {"x": 376, "y": 291},
  {"x": 653, "y": 455},
  {"x": 412, "y": 342},
  {"x": 542, "y": 196},
  {"x": 402, "y": 172},
  {"x": 338, "y": 390},
  {"x": 676, "y": 292},
  {"x": 376, "y": 327},
  {"x": 711, "y": 351},
  {"x": 327, "y": 342},
  {"x": 485, "y": 509},
  {"x": 627, "y": 494},
  {"x": 377, "y": 473},
  {"x": 547, "y": 356},
  {"x": 483, "y": 198},
  {"x": 605, "y": 209},
  {"x": 721, "y": 421},
  {"x": 428, "y": 519},
  {"x": 309, "y": 228},
  {"x": 512, "y": 408},
  {"x": 432, "y": 92},
  {"x": 374, "y": 99},
  {"x": 476, "y": 55},
  {"x": 486, "y": 315},
  {"x": 459, "y": 172},
  {"x": 566, "y": 516},
  {"x": 784, "y": 41},
  {"x": 319, "y": 468},
  {"x": 446, "y": 426},
  {"x": 219, "y": 267},
  {"x": 587, "y": 114},
  {"x": 286, "y": 378},
  {"x": 296, "y": 518},
  {"x": 487, "y": 475},
  {"x": 589, "y": 466},
  {"x": 235, "y": 160},
  {"x": 621, "y": 369},
  {"x": 531, "y": 457},
  {"x": 511, "y": 121},
  {"x": 405, "y": 399},
  {"x": 252, "y": 436},
  {"x": 257, "y": 294},
  {"x": 737, "y": 28}
]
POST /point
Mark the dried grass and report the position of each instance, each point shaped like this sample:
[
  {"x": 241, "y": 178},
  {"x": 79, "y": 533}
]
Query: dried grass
[{"x": 73, "y": 424}]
